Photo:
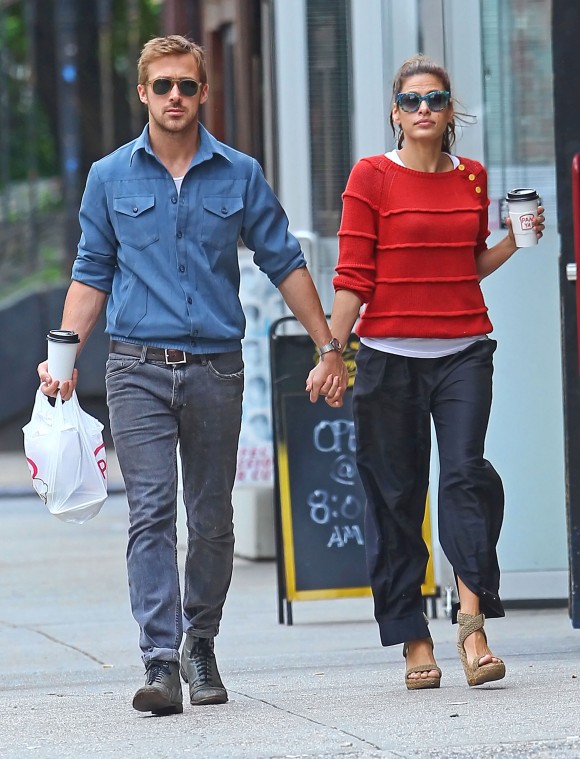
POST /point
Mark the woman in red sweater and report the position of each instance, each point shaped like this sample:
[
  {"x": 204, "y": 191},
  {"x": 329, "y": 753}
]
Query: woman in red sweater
[{"x": 412, "y": 251}]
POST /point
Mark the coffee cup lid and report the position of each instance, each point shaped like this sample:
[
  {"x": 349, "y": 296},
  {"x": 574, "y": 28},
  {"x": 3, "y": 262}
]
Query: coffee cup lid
[
  {"x": 62, "y": 336},
  {"x": 522, "y": 193}
]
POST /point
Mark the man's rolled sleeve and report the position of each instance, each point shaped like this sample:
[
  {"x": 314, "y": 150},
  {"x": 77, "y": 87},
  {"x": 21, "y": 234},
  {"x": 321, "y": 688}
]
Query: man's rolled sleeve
[
  {"x": 265, "y": 230},
  {"x": 97, "y": 250}
]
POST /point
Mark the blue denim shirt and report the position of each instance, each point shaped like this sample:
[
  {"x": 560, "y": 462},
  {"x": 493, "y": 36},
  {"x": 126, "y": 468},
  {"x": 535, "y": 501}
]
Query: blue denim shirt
[{"x": 169, "y": 260}]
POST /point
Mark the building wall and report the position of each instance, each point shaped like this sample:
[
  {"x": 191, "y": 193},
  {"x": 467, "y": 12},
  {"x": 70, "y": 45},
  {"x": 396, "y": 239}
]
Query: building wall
[{"x": 526, "y": 433}]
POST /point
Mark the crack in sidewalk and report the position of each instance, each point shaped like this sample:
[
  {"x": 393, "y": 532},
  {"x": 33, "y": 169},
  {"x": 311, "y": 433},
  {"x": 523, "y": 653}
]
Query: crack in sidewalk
[
  {"x": 309, "y": 719},
  {"x": 59, "y": 642}
]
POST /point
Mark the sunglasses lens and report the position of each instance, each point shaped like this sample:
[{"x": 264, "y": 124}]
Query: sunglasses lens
[
  {"x": 437, "y": 101},
  {"x": 188, "y": 87},
  {"x": 161, "y": 86},
  {"x": 409, "y": 101}
]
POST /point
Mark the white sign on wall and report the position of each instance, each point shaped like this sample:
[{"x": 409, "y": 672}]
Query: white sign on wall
[{"x": 262, "y": 304}]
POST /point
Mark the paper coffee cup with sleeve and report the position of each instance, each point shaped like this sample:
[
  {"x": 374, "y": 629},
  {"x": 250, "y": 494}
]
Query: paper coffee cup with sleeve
[
  {"x": 522, "y": 208},
  {"x": 62, "y": 353}
]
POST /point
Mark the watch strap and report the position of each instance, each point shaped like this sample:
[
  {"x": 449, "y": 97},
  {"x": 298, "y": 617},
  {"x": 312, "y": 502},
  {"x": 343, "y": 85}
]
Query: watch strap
[{"x": 333, "y": 345}]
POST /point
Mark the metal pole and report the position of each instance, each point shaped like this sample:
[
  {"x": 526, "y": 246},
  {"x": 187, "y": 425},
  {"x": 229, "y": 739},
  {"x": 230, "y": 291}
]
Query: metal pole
[
  {"x": 4, "y": 123},
  {"x": 32, "y": 135},
  {"x": 65, "y": 19},
  {"x": 133, "y": 18},
  {"x": 104, "y": 17}
]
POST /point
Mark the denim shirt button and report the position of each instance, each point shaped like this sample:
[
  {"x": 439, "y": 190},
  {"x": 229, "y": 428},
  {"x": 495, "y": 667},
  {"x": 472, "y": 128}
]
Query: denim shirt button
[
  {"x": 135, "y": 209},
  {"x": 190, "y": 301},
  {"x": 182, "y": 268},
  {"x": 224, "y": 211},
  {"x": 174, "y": 199},
  {"x": 180, "y": 235}
]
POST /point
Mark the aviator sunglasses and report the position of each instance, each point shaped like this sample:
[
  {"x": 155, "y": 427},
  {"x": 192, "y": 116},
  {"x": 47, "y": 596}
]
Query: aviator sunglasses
[
  {"x": 437, "y": 100},
  {"x": 187, "y": 87}
]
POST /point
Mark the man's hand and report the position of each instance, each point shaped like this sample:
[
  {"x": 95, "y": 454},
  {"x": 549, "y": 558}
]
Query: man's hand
[
  {"x": 329, "y": 378},
  {"x": 51, "y": 387}
]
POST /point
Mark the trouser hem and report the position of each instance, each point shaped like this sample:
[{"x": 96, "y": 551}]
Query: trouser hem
[
  {"x": 160, "y": 654},
  {"x": 404, "y": 629},
  {"x": 489, "y": 611},
  {"x": 198, "y": 633}
]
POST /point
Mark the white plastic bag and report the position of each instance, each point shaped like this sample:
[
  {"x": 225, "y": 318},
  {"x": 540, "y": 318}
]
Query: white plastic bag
[{"x": 66, "y": 455}]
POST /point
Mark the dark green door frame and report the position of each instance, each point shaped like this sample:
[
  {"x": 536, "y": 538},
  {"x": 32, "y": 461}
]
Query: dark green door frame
[{"x": 565, "y": 25}]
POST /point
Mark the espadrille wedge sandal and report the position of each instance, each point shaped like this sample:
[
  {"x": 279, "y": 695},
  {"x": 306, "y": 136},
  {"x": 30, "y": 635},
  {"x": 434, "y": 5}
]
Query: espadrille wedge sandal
[
  {"x": 476, "y": 673},
  {"x": 417, "y": 683}
]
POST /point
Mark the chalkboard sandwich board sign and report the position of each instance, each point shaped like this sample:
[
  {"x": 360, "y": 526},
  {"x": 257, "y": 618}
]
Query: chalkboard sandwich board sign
[
  {"x": 319, "y": 497},
  {"x": 322, "y": 502}
]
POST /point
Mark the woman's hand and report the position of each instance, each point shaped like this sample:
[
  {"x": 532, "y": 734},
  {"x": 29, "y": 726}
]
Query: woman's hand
[
  {"x": 539, "y": 226},
  {"x": 539, "y": 220}
]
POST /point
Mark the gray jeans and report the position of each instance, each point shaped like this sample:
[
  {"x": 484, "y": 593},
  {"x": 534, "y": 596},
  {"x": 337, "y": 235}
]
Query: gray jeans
[{"x": 152, "y": 407}]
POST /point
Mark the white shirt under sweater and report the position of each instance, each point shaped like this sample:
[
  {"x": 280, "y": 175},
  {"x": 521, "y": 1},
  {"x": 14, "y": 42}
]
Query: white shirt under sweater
[{"x": 420, "y": 347}]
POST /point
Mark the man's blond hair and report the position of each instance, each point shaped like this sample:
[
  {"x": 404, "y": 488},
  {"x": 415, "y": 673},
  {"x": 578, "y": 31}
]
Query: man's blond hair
[{"x": 173, "y": 44}]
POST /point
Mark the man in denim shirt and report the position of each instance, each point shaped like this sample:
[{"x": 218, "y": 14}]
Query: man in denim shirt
[{"x": 161, "y": 218}]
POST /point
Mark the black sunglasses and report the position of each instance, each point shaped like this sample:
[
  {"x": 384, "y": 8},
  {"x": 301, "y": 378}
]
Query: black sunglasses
[
  {"x": 187, "y": 87},
  {"x": 437, "y": 100}
]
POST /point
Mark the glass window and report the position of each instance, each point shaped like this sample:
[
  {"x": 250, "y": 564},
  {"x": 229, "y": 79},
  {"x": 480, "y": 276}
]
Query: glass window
[
  {"x": 519, "y": 130},
  {"x": 329, "y": 96}
]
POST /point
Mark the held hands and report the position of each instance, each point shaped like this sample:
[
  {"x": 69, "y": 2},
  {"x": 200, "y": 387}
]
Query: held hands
[
  {"x": 329, "y": 378},
  {"x": 51, "y": 387},
  {"x": 539, "y": 226}
]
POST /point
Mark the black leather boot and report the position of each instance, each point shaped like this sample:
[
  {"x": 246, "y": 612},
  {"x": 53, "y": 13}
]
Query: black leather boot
[
  {"x": 199, "y": 669},
  {"x": 161, "y": 693}
]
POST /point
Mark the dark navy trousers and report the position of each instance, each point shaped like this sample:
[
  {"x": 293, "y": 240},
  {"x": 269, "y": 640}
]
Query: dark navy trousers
[{"x": 394, "y": 399}]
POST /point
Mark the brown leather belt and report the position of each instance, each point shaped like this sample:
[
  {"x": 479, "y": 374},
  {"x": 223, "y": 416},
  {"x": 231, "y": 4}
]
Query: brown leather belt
[{"x": 168, "y": 356}]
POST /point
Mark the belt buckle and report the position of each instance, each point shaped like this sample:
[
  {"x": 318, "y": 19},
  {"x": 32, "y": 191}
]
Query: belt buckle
[{"x": 169, "y": 360}]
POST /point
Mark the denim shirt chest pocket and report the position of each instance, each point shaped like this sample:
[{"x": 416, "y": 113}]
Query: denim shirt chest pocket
[
  {"x": 137, "y": 223},
  {"x": 222, "y": 220}
]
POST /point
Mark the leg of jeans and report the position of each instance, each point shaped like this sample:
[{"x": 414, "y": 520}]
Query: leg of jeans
[
  {"x": 144, "y": 429},
  {"x": 209, "y": 429},
  {"x": 471, "y": 499},
  {"x": 391, "y": 414}
]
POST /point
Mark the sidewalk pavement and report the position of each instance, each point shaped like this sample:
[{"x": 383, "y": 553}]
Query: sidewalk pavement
[{"x": 323, "y": 687}]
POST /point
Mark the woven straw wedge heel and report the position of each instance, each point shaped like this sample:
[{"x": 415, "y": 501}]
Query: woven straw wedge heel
[
  {"x": 418, "y": 683},
  {"x": 476, "y": 673}
]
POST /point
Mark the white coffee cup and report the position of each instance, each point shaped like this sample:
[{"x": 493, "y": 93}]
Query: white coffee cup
[
  {"x": 522, "y": 207},
  {"x": 62, "y": 352}
]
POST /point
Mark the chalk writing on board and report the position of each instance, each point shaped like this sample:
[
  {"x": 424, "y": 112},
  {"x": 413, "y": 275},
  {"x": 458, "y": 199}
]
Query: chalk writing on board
[
  {"x": 336, "y": 439},
  {"x": 323, "y": 505},
  {"x": 321, "y": 498}
]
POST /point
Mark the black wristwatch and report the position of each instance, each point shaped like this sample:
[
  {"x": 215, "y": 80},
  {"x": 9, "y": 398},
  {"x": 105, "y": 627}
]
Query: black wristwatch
[{"x": 333, "y": 345}]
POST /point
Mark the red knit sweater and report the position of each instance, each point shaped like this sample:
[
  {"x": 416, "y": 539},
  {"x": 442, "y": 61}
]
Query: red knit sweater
[{"x": 408, "y": 242}]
